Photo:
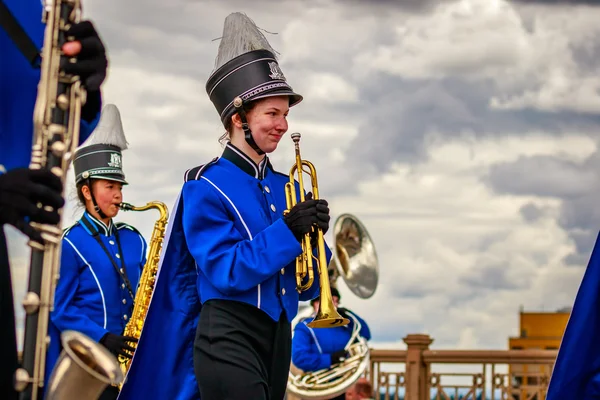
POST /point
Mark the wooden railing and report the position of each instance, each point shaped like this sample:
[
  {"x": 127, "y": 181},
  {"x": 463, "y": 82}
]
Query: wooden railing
[
  {"x": 421, "y": 373},
  {"x": 416, "y": 373}
]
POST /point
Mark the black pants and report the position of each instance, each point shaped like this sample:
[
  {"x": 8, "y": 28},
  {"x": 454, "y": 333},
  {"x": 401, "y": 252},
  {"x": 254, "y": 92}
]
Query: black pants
[
  {"x": 241, "y": 353},
  {"x": 8, "y": 338},
  {"x": 110, "y": 393}
]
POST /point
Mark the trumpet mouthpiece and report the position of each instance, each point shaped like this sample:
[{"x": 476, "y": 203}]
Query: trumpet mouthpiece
[{"x": 295, "y": 137}]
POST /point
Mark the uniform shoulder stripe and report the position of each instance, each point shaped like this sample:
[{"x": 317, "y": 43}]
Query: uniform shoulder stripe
[
  {"x": 287, "y": 176},
  {"x": 193, "y": 174},
  {"x": 68, "y": 229},
  {"x": 273, "y": 170},
  {"x": 123, "y": 225}
]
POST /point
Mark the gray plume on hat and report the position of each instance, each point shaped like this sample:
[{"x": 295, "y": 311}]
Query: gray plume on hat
[
  {"x": 109, "y": 129},
  {"x": 240, "y": 35}
]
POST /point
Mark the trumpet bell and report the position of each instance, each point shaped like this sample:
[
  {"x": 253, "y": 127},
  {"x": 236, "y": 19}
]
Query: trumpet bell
[
  {"x": 327, "y": 316},
  {"x": 354, "y": 257}
]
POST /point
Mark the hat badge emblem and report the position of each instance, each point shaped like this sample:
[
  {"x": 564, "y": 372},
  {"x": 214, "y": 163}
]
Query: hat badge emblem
[
  {"x": 115, "y": 160},
  {"x": 276, "y": 72}
]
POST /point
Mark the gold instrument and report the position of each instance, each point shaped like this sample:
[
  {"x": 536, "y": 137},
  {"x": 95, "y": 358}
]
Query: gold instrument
[
  {"x": 148, "y": 278},
  {"x": 327, "y": 316},
  {"x": 355, "y": 260},
  {"x": 84, "y": 368}
]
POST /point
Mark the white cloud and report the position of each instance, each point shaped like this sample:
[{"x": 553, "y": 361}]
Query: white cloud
[
  {"x": 559, "y": 92},
  {"x": 456, "y": 259},
  {"x": 328, "y": 88},
  {"x": 489, "y": 40},
  {"x": 468, "y": 38}
]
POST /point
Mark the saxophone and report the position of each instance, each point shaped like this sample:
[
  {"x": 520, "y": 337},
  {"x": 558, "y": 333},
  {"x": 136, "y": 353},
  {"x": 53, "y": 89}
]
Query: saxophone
[
  {"x": 84, "y": 367},
  {"x": 146, "y": 284}
]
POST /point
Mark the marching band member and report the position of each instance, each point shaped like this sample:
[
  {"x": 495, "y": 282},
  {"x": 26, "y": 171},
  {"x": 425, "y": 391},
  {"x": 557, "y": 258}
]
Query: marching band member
[
  {"x": 361, "y": 390},
  {"x": 21, "y": 189},
  {"x": 101, "y": 261},
  {"x": 316, "y": 349},
  {"x": 229, "y": 262}
]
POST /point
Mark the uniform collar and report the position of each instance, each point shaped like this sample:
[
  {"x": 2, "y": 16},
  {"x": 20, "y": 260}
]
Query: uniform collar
[
  {"x": 101, "y": 226},
  {"x": 245, "y": 163}
]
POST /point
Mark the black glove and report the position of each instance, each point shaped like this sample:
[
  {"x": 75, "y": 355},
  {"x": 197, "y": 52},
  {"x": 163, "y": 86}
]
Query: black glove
[
  {"x": 322, "y": 214},
  {"x": 90, "y": 65},
  {"x": 306, "y": 214},
  {"x": 117, "y": 344},
  {"x": 339, "y": 356},
  {"x": 20, "y": 192}
]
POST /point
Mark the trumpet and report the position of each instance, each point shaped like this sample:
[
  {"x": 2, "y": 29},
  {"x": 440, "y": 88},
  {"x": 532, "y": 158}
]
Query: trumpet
[{"x": 327, "y": 316}]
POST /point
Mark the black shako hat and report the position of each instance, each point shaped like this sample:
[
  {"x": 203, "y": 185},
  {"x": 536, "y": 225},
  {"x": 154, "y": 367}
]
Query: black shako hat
[
  {"x": 250, "y": 76},
  {"x": 100, "y": 157},
  {"x": 246, "y": 69}
]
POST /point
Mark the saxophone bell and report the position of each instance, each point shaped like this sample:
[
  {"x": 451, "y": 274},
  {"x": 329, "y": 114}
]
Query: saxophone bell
[{"x": 327, "y": 316}]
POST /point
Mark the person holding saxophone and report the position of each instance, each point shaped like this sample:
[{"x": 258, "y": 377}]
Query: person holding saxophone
[
  {"x": 101, "y": 261},
  {"x": 228, "y": 270}
]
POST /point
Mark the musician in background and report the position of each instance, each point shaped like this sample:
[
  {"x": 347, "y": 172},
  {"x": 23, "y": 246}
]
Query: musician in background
[
  {"x": 314, "y": 349},
  {"x": 22, "y": 189},
  {"x": 101, "y": 261},
  {"x": 361, "y": 390},
  {"x": 230, "y": 237}
]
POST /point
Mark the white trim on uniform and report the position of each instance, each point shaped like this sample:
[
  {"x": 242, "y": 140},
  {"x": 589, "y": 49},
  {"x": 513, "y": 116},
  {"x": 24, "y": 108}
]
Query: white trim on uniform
[
  {"x": 245, "y": 157},
  {"x": 241, "y": 219},
  {"x": 95, "y": 277},
  {"x": 314, "y": 336}
]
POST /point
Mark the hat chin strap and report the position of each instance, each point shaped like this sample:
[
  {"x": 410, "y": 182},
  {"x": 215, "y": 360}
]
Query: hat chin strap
[
  {"x": 239, "y": 106},
  {"x": 96, "y": 207}
]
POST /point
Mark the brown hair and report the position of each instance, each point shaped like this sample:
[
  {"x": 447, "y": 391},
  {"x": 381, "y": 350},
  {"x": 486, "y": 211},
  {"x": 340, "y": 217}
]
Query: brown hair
[
  {"x": 80, "y": 195},
  {"x": 225, "y": 137},
  {"x": 79, "y": 188}
]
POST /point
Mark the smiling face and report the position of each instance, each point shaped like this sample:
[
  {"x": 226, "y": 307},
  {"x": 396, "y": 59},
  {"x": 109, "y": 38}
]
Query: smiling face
[
  {"x": 267, "y": 120},
  {"x": 108, "y": 196}
]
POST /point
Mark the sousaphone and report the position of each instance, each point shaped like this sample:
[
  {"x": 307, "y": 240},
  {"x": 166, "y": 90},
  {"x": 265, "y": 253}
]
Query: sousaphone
[{"x": 355, "y": 260}]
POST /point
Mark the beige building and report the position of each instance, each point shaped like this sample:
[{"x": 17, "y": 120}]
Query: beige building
[{"x": 538, "y": 330}]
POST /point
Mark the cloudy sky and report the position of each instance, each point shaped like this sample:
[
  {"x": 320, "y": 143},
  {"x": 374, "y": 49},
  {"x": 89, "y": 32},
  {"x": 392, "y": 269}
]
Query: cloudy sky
[{"x": 463, "y": 134}]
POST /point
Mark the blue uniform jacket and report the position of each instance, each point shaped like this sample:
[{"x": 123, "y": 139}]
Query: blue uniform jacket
[
  {"x": 576, "y": 372},
  {"x": 91, "y": 297},
  {"x": 232, "y": 220},
  {"x": 18, "y": 89},
  {"x": 312, "y": 347},
  {"x": 225, "y": 239}
]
